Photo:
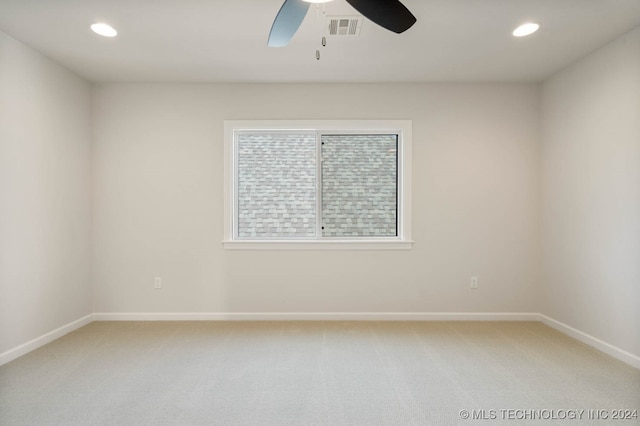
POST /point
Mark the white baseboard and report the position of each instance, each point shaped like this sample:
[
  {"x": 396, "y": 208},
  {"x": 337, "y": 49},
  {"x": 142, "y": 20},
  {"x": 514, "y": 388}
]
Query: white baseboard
[
  {"x": 316, "y": 316},
  {"x": 31, "y": 345},
  {"x": 600, "y": 345}
]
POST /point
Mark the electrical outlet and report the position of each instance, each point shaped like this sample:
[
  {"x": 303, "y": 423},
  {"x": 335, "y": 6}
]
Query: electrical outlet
[
  {"x": 157, "y": 282},
  {"x": 474, "y": 282}
]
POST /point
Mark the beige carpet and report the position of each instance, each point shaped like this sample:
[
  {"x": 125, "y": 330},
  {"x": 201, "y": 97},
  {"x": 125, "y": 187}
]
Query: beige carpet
[{"x": 315, "y": 373}]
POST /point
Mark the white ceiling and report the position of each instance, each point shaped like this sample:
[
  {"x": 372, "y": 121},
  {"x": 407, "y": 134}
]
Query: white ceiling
[{"x": 226, "y": 41}]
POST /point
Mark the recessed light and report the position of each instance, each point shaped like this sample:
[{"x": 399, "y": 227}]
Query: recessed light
[
  {"x": 104, "y": 30},
  {"x": 526, "y": 29}
]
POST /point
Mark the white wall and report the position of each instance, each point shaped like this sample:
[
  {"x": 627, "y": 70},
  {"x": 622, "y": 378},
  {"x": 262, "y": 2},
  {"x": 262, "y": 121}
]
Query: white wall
[
  {"x": 158, "y": 173},
  {"x": 45, "y": 210},
  {"x": 591, "y": 194}
]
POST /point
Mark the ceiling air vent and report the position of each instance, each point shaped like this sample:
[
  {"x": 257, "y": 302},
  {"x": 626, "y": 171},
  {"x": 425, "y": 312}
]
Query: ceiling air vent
[{"x": 344, "y": 25}]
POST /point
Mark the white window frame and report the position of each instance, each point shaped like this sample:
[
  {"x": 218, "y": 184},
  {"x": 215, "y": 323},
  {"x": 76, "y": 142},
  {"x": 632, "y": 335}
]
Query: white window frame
[{"x": 402, "y": 128}]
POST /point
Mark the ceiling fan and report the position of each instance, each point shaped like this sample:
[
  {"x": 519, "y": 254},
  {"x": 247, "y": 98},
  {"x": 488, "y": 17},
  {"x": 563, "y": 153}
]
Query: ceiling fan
[{"x": 389, "y": 14}]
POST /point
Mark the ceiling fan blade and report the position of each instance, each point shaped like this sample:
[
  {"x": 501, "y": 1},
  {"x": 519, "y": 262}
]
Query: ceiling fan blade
[
  {"x": 389, "y": 14},
  {"x": 287, "y": 21}
]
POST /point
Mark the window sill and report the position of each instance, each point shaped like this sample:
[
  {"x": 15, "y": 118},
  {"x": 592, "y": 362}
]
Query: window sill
[{"x": 318, "y": 245}]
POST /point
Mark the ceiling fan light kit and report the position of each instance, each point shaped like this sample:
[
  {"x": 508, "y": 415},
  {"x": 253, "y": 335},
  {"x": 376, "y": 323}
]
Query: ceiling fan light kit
[{"x": 389, "y": 14}]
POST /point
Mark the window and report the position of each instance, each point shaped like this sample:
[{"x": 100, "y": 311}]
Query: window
[
  {"x": 359, "y": 185},
  {"x": 317, "y": 184},
  {"x": 276, "y": 185}
]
